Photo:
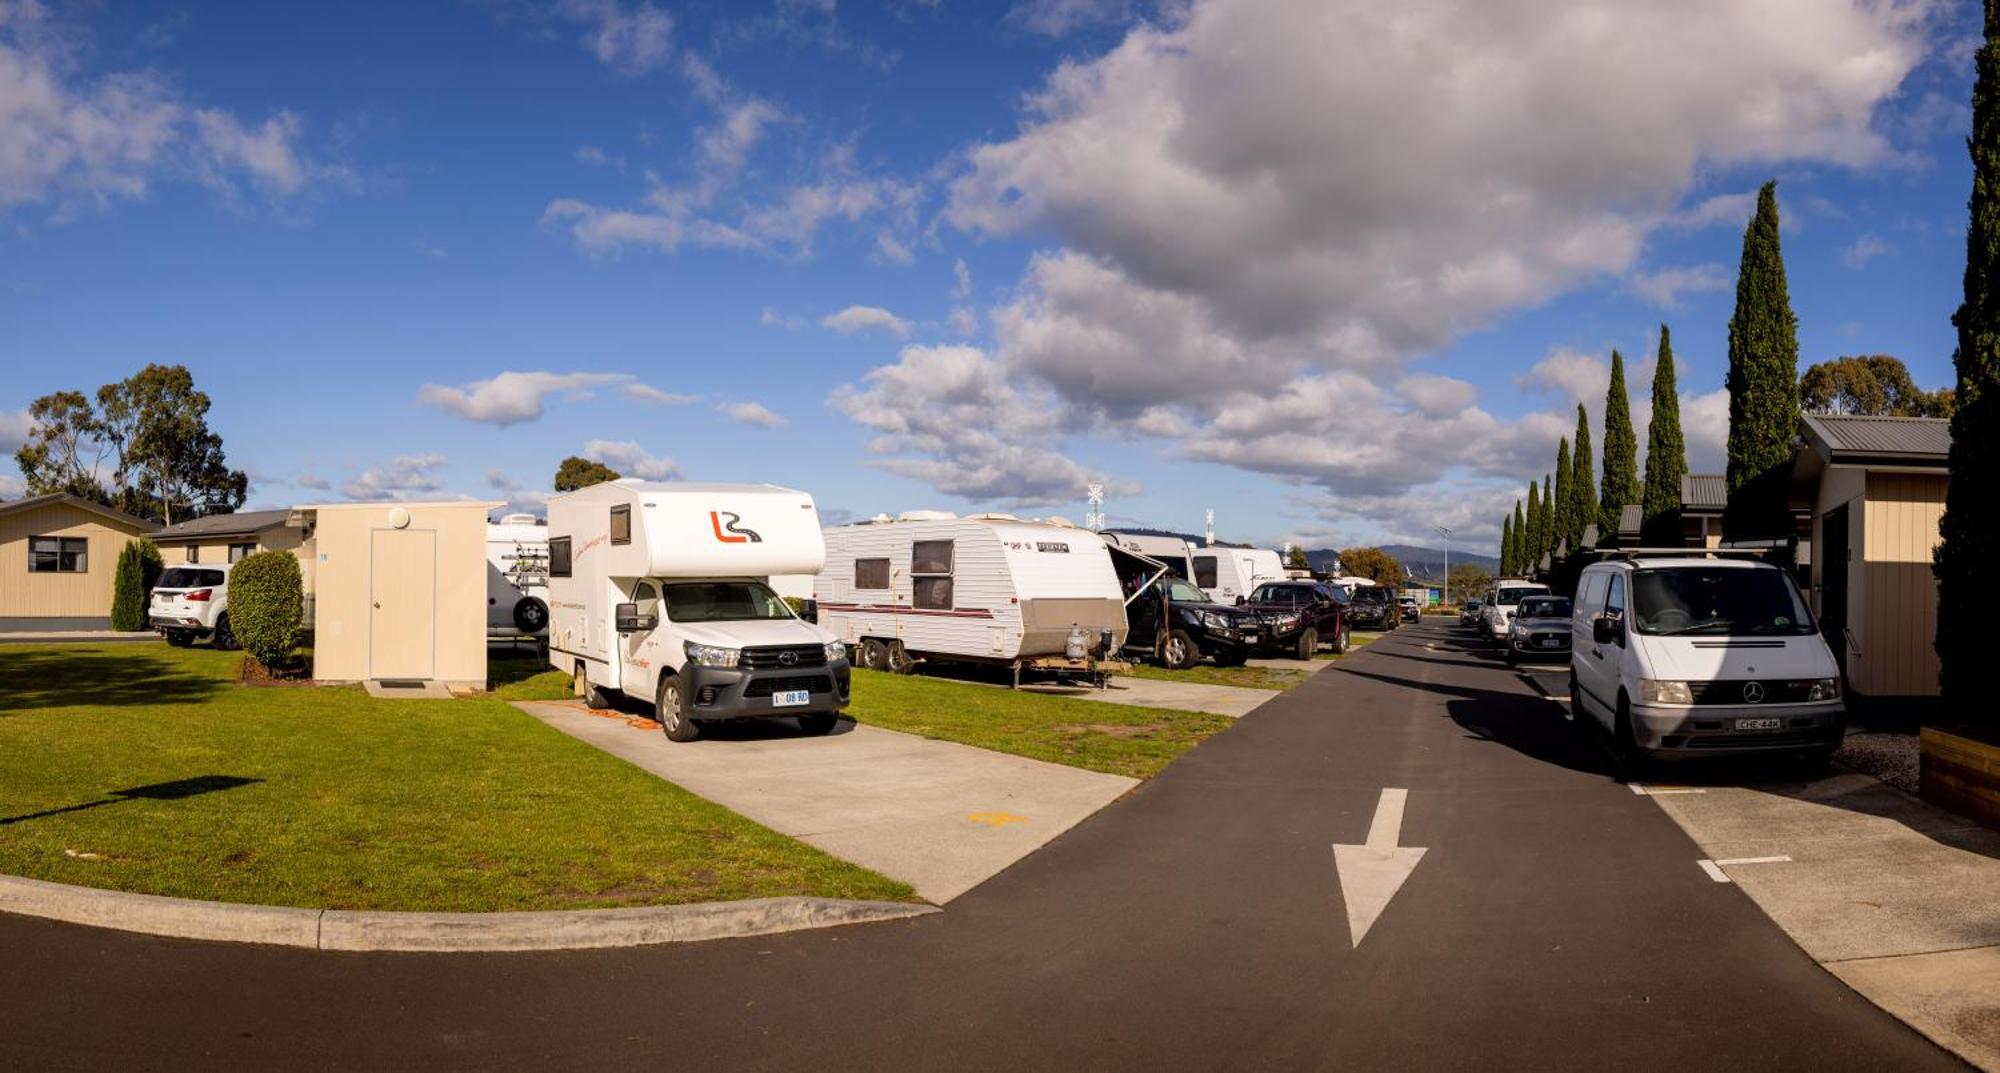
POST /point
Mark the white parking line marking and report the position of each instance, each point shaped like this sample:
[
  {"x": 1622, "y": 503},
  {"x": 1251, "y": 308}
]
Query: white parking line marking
[
  {"x": 1661, "y": 791},
  {"x": 1715, "y": 872}
]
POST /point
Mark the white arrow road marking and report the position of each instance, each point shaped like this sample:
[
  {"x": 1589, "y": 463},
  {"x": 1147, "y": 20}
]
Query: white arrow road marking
[
  {"x": 1371, "y": 874},
  {"x": 1714, "y": 868}
]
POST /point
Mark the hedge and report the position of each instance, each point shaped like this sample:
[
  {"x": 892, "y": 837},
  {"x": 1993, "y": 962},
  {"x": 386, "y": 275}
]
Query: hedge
[
  {"x": 267, "y": 605},
  {"x": 139, "y": 566}
]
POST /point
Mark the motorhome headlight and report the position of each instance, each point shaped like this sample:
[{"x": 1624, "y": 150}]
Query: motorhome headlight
[
  {"x": 1656, "y": 691},
  {"x": 1824, "y": 689},
  {"x": 712, "y": 655},
  {"x": 836, "y": 651}
]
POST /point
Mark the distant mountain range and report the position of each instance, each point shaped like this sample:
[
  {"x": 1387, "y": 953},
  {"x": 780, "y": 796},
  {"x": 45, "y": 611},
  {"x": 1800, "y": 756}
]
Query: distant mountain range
[{"x": 1423, "y": 562}]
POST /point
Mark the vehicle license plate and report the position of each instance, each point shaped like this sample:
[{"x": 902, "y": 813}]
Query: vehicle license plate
[
  {"x": 791, "y": 698},
  {"x": 1249, "y": 637},
  {"x": 1551, "y": 642},
  {"x": 1758, "y": 724}
]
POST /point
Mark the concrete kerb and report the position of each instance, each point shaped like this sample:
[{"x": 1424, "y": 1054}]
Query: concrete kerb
[{"x": 338, "y": 929}]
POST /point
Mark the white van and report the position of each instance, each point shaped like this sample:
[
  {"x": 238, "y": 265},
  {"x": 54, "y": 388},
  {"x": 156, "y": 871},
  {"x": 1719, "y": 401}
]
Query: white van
[
  {"x": 661, "y": 592},
  {"x": 1497, "y": 616},
  {"x": 1683, "y": 656},
  {"x": 1229, "y": 575}
]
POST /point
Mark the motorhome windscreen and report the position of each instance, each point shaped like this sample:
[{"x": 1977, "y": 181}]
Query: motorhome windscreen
[
  {"x": 1717, "y": 600},
  {"x": 722, "y": 601}
]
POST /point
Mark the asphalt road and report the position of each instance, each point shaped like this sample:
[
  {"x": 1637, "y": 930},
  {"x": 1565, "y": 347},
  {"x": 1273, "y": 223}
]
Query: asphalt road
[{"x": 1557, "y": 921}]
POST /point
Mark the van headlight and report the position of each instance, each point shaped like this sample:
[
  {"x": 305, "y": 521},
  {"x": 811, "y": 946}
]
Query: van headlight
[
  {"x": 1824, "y": 689},
  {"x": 712, "y": 655},
  {"x": 836, "y": 651},
  {"x": 1655, "y": 691}
]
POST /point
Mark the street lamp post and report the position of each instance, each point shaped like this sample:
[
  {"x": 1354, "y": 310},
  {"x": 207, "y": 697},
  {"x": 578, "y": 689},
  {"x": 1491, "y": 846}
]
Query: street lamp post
[{"x": 1445, "y": 534}]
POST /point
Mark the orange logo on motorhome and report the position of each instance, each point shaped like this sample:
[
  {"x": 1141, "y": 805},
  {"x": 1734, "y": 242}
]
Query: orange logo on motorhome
[{"x": 729, "y": 532}]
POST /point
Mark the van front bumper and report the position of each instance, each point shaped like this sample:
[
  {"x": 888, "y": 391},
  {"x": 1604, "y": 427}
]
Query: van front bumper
[
  {"x": 732, "y": 693},
  {"x": 1712, "y": 729}
]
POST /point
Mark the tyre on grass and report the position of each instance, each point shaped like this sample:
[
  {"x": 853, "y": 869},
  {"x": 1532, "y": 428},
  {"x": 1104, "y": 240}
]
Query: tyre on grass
[{"x": 1179, "y": 653}]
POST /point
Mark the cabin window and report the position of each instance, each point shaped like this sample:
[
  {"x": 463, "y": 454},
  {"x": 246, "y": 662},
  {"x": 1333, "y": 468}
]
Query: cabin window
[
  {"x": 1204, "y": 571},
  {"x": 621, "y": 524},
  {"x": 58, "y": 555},
  {"x": 871, "y": 574},
  {"x": 238, "y": 551},
  {"x": 559, "y": 556},
  {"x": 193, "y": 553},
  {"x": 930, "y": 575}
]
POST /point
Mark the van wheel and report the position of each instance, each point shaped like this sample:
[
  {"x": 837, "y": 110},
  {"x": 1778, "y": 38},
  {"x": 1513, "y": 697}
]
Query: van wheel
[
  {"x": 818, "y": 722},
  {"x": 1308, "y": 644},
  {"x": 1179, "y": 653},
  {"x": 899, "y": 661},
  {"x": 531, "y": 615},
  {"x": 874, "y": 654},
  {"x": 581, "y": 686},
  {"x": 670, "y": 710},
  {"x": 224, "y": 637}
]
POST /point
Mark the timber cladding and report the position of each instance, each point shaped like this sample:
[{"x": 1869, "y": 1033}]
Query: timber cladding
[
  {"x": 1961, "y": 774},
  {"x": 84, "y": 594}
]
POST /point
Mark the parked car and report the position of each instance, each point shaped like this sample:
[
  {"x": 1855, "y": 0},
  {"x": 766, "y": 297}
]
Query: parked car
[
  {"x": 1469, "y": 614},
  {"x": 1540, "y": 629},
  {"x": 190, "y": 603},
  {"x": 1500, "y": 601},
  {"x": 1179, "y": 625},
  {"x": 1299, "y": 616},
  {"x": 1685, "y": 656},
  {"x": 1373, "y": 608},
  {"x": 1410, "y": 609}
]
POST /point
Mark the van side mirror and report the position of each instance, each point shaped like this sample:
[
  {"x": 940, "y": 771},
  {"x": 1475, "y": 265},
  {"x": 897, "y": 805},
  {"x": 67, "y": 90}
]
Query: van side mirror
[
  {"x": 1608, "y": 629},
  {"x": 629, "y": 620}
]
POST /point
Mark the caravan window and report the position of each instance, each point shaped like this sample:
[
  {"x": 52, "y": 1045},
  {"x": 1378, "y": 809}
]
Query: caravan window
[
  {"x": 559, "y": 556},
  {"x": 621, "y": 524},
  {"x": 871, "y": 573},
  {"x": 930, "y": 575},
  {"x": 1204, "y": 571}
]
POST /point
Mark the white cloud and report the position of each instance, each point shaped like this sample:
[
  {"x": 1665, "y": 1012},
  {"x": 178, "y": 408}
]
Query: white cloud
[
  {"x": 632, "y": 460},
  {"x": 402, "y": 477},
  {"x": 15, "y": 428},
  {"x": 1058, "y": 17},
  {"x": 1577, "y": 376},
  {"x": 632, "y": 39},
  {"x": 599, "y": 230},
  {"x": 12, "y": 487},
  {"x": 771, "y": 318},
  {"x": 892, "y": 248},
  {"x": 639, "y": 392},
  {"x": 1665, "y": 287},
  {"x": 313, "y": 481},
  {"x": 727, "y": 145},
  {"x": 1864, "y": 249},
  {"x": 520, "y": 497},
  {"x": 963, "y": 321},
  {"x": 510, "y": 398},
  {"x": 595, "y": 157},
  {"x": 1437, "y": 396},
  {"x": 1733, "y": 210},
  {"x": 961, "y": 276},
  {"x": 267, "y": 153},
  {"x": 858, "y": 318},
  {"x": 752, "y": 413}
]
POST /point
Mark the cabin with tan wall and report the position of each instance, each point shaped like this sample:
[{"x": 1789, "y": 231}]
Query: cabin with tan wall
[
  {"x": 225, "y": 538},
  {"x": 58, "y": 560}
]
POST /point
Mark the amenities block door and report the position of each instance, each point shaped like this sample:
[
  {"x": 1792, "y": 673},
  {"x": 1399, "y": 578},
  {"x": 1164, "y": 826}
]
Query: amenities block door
[{"x": 402, "y": 614}]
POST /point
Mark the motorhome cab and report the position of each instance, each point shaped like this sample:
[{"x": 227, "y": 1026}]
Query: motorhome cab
[
  {"x": 988, "y": 588},
  {"x": 1229, "y": 575},
  {"x": 1497, "y": 616},
  {"x": 517, "y": 576},
  {"x": 1681, "y": 656},
  {"x": 660, "y": 592}
]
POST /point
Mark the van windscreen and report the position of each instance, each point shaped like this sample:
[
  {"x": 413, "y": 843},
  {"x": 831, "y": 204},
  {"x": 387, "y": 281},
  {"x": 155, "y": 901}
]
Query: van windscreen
[{"x": 1715, "y": 600}]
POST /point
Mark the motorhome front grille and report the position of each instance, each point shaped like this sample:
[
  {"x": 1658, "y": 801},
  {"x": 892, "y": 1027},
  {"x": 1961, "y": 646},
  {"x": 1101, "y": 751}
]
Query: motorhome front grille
[
  {"x": 1738, "y": 691},
  {"x": 773, "y": 658},
  {"x": 764, "y": 687}
]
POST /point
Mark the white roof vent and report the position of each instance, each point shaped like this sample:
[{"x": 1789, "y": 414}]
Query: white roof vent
[
  {"x": 993, "y": 516},
  {"x": 925, "y": 516},
  {"x": 520, "y": 519}
]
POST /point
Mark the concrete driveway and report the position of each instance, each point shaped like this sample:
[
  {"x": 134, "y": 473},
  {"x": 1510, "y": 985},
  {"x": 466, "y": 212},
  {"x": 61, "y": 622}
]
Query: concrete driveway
[
  {"x": 1232, "y": 701},
  {"x": 940, "y": 816}
]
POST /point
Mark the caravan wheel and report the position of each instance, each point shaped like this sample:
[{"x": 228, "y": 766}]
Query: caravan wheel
[
  {"x": 899, "y": 659},
  {"x": 874, "y": 655}
]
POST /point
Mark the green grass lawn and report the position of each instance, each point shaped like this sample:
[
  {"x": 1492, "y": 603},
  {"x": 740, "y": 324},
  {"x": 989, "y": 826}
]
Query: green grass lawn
[
  {"x": 1273, "y": 678},
  {"x": 1116, "y": 738},
  {"x": 147, "y": 768}
]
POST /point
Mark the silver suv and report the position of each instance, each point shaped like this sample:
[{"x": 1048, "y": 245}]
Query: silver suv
[{"x": 192, "y": 602}]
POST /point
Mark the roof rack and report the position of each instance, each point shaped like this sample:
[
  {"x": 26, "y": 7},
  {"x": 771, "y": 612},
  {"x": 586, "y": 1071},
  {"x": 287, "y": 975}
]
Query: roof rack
[{"x": 1679, "y": 553}]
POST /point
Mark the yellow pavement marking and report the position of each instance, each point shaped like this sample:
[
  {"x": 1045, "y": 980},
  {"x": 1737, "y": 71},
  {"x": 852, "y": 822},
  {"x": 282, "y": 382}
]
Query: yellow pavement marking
[{"x": 996, "y": 819}]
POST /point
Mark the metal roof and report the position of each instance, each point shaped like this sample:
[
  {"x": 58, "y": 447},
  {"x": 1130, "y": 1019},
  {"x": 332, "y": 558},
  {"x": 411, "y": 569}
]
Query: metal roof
[
  {"x": 1629, "y": 517},
  {"x": 1852, "y": 437},
  {"x": 215, "y": 525},
  {"x": 55, "y": 498},
  {"x": 1704, "y": 492}
]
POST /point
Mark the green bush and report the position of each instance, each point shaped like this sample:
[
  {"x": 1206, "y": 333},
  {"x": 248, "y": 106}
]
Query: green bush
[
  {"x": 138, "y": 571},
  {"x": 267, "y": 605}
]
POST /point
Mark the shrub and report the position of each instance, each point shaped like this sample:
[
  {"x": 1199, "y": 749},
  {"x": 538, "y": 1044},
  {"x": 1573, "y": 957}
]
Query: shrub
[
  {"x": 138, "y": 571},
  {"x": 267, "y": 606}
]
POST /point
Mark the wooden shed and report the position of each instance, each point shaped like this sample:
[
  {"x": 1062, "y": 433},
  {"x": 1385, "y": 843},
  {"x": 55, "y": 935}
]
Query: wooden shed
[{"x": 58, "y": 559}]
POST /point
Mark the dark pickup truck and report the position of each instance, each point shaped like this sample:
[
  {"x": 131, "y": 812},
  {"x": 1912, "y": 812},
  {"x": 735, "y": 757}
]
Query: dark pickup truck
[
  {"x": 1178, "y": 625},
  {"x": 1374, "y": 607},
  {"x": 1299, "y": 617}
]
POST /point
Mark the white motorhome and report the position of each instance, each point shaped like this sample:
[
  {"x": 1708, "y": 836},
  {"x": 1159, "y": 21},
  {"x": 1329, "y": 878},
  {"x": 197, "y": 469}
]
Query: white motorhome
[
  {"x": 517, "y": 576},
  {"x": 987, "y": 588},
  {"x": 1170, "y": 551},
  {"x": 660, "y": 591},
  {"x": 1229, "y": 574}
]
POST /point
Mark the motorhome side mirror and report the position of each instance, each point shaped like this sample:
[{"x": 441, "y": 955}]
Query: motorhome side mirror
[
  {"x": 809, "y": 610},
  {"x": 629, "y": 619},
  {"x": 1605, "y": 630}
]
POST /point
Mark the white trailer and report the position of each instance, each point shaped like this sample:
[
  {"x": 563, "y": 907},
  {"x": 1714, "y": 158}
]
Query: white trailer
[
  {"x": 1229, "y": 574},
  {"x": 517, "y": 577},
  {"x": 987, "y": 588},
  {"x": 659, "y": 591}
]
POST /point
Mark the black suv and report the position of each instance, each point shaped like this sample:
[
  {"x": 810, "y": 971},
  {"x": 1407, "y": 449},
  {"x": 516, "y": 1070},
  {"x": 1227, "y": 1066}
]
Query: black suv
[
  {"x": 1179, "y": 625},
  {"x": 1299, "y": 616},
  {"x": 1374, "y": 607}
]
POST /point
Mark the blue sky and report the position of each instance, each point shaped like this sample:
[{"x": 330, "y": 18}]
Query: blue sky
[{"x": 1271, "y": 259}]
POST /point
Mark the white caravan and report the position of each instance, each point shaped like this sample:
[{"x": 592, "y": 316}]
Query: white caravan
[
  {"x": 987, "y": 588},
  {"x": 517, "y": 577},
  {"x": 1231, "y": 574},
  {"x": 1170, "y": 551},
  {"x": 660, "y": 591}
]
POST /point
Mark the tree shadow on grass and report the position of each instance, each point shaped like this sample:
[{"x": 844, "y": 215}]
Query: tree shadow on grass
[
  {"x": 65, "y": 678},
  {"x": 158, "y": 791}
]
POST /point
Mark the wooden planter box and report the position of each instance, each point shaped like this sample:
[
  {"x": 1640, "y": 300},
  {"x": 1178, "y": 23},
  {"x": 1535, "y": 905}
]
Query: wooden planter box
[{"x": 1960, "y": 773}]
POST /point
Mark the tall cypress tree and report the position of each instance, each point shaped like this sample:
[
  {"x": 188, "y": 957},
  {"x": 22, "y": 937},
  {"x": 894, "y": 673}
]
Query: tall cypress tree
[
  {"x": 1582, "y": 483},
  {"x": 1666, "y": 456},
  {"x": 1520, "y": 538},
  {"x": 1506, "y": 544},
  {"x": 1620, "y": 484},
  {"x": 1763, "y": 383},
  {"x": 1564, "y": 510},
  {"x": 1968, "y": 560},
  {"x": 1532, "y": 550},
  {"x": 1548, "y": 522}
]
